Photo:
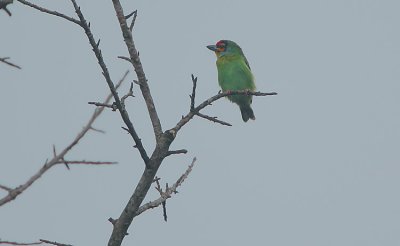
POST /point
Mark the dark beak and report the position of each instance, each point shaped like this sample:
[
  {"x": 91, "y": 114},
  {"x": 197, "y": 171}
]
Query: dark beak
[{"x": 212, "y": 47}]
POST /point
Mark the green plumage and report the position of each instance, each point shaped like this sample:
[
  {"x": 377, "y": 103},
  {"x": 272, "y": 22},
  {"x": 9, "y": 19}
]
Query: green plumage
[{"x": 234, "y": 74}]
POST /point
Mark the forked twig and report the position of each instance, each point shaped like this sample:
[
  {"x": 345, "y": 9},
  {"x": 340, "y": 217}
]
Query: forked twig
[
  {"x": 168, "y": 192},
  {"x": 196, "y": 110},
  {"x": 4, "y": 60}
]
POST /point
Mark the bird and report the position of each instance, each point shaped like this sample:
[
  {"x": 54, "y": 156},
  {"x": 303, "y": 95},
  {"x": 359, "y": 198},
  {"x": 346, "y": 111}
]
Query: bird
[{"x": 234, "y": 74}]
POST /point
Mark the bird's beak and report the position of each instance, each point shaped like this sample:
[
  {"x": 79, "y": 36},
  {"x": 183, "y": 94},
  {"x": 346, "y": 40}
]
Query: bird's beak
[{"x": 212, "y": 47}]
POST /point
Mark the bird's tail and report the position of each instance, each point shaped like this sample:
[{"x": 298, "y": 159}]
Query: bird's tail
[{"x": 247, "y": 113}]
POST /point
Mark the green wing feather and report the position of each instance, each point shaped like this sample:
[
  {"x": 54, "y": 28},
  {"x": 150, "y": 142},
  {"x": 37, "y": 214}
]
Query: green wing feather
[{"x": 234, "y": 74}]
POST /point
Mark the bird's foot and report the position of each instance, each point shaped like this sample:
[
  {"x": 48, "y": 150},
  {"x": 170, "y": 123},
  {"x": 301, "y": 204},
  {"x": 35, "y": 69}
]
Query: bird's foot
[{"x": 247, "y": 91}]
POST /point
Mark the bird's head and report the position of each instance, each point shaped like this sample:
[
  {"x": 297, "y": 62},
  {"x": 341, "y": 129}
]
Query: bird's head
[{"x": 225, "y": 48}]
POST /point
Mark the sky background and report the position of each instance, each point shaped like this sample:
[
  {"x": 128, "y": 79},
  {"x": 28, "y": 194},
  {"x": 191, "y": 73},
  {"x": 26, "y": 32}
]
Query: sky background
[{"x": 319, "y": 166}]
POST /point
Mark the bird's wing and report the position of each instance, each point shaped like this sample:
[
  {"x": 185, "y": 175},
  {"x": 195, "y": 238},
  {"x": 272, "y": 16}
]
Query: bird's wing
[{"x": 247, "y": 62}]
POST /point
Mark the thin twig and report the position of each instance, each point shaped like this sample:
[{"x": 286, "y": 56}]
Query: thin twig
[
  {"x": 51, "y": 12},
  {"x": 99, "y": 104},
  {"x": 112, "y": 106},
  {"x": 4, "y": 60},
  {"x": 125, "y": 58},
  {"x": 193, "y": 96},
  {"x": 13, "y": 193},
  {"x": 133, "y": 20},
  {"x": 175, "y": 152},
  {"x": 5, "y": 188},
  {"x": 97, "y": 130},
  {"x": 54, "y": 243},
  {"x": 129, "y": 94},
  {"x": 164, "y": 208},
  {"x": 213, "y": 119},
  {"x": 83, "y": 162},
  {"x": 164, "y": 204},
  {"x": 16, "y": 243}
]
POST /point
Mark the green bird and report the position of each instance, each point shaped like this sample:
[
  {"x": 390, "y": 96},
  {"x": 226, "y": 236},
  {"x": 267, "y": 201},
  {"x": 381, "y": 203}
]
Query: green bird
[{"x": 234, "y": 74}]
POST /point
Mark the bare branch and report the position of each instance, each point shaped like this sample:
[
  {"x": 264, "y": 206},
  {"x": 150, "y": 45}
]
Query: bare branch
[
  {"x": 83, "y": 162},
  {"x": 134, "y": 13},
  {"x": 112, "y": 106},
  {"x": 97, "y": 130},
  {"x": 5, "y": 188},
  {"x": 54, "y": 243},
  {"x": 121, "y": 108},
  {"x": 164, "y": 204},
  {"x": 112, "y": 221},
  {"x": 196, "y": 110},
  {"x": 4, "y": 60},
  {"x": 134, "y": 57},
  {"x": 125, "y": 58},
  {"x": 42, "y": 241},
  {"x": 99, "y": 104},
  {"x": 175, "y": 152},
  {"x": 16, "y": 243},
  {"x": 3, "y": 5},
  {"x": 51, "y": 12},
  {"x": 213, "y": 119},
  {"x": 57, "y": 158},
  {"x": 193, "y": 96},
  {"x": 129, "y": 94},
  {"x": 168, "y": 192},
  {"x": 192, "y": 103}
]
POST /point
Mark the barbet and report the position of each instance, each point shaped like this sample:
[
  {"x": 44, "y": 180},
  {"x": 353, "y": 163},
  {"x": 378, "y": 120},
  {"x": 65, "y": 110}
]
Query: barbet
[{"x": 234, "y": 74}]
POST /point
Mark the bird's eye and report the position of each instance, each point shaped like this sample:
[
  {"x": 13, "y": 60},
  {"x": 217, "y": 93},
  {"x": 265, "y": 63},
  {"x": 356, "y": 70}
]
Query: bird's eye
[{"x": 220, "y": 46}]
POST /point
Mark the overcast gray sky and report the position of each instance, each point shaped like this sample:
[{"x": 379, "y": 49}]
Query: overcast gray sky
[{"x": 319, "y": 166}]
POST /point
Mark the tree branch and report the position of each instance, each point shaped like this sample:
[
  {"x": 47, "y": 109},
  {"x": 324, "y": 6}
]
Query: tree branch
[
  {"x": 213, "y": 119},
  {"x": 196, "y": 110},
  {"x": 35, "y": 243},
  {"x": 54, "y": 243},
  {"x": 175, "y": 152},
  {"x": 16, "y": 243},
  {"x": 134, "y": 13},
  {"x": 121, "y": 108},
  {"x": 192, "y": 103},
  {"x": 168, "y": 192},
  {"x": 5, "y": 188},
  {"x": 193, "y": 96},
  {"x": 99, "y": 104},
  {"x": 57, "y": 158},
  {"x": 164, "y": 203},
  {"x": 3, "y": 5},
  {"x": 4, "y": 60},
  {"x": 83, "y": 162},
  {"x": 135, "y": 60},
  {"x": 163, "y": 139},
  {"x": 51, "y": 12}
]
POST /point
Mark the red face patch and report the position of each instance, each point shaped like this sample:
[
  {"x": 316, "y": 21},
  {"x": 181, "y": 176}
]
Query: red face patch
[
  {"x": 220, "y": 43},
  {"x": 221, "y": 46}
]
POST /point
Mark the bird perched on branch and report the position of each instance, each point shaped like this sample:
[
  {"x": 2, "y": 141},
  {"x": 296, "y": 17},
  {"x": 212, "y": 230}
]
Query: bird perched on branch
[{"x": 234, "y": 74}]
